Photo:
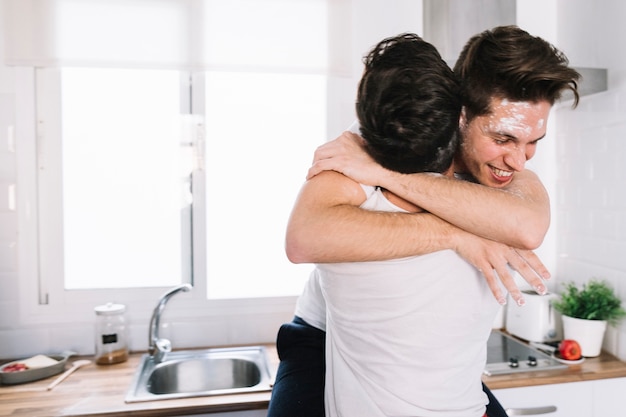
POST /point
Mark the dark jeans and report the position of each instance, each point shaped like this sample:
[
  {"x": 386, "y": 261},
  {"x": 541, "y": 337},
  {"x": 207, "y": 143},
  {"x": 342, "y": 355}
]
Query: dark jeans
[{"x": 299, "y": 387}]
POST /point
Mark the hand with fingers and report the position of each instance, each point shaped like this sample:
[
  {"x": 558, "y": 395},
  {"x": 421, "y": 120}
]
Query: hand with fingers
[
  {"x": 497, "y": 261},
  {"x": 346, "y": 154}
]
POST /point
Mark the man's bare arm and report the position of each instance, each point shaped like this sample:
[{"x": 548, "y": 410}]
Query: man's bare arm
[
  {"x": 518, "y": 215},
  {"x": 326, "y": 225},
  {"x": 488, "y": 212}
]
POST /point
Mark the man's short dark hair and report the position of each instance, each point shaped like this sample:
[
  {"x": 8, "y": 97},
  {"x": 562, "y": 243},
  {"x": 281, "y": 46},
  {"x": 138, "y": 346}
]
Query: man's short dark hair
[
  {"x": 408, "y": 106},
  {"x": 509, "y": 63}
]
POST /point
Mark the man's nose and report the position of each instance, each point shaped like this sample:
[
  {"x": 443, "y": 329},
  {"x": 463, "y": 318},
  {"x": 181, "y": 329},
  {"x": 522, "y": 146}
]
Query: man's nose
[{"x": 517, "y": 158}]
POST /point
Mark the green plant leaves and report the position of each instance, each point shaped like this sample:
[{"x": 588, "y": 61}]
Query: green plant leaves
[{"x": 595, "y": 301}]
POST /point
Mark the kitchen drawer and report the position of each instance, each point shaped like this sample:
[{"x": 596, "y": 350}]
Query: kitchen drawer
[
  {"x": 249, "y": 413},
  {"x": 573, "y": 399}
]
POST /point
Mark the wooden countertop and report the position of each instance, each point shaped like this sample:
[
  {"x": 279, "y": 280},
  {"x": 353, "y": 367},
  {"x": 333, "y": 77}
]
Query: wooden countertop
[
  {"x": 96, "y": 390},
  {"x": 603, "y": 367},
  {"x": 100, "y": 390}
]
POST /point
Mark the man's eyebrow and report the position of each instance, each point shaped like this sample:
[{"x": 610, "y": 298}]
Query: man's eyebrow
[
  {"x": 504, "y": 134},
  {"x": 514, "y": 138}
]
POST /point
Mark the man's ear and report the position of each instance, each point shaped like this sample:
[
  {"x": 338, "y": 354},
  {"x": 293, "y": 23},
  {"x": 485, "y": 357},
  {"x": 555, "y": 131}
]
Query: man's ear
[{"x": 462, "y": 119}]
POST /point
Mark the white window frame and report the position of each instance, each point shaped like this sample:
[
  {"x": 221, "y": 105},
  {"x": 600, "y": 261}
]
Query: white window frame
[{"x": 72, "y": 306}]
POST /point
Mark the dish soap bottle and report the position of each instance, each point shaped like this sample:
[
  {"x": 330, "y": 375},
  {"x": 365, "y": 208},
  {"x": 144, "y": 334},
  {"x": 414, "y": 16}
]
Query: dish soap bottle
[{"x": 111, "y": 346}]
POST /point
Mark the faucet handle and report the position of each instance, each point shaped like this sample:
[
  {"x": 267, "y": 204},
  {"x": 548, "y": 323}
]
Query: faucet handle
[{"x": 163, "y": 345}]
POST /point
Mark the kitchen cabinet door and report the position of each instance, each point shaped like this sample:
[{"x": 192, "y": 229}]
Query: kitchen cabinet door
[
  {"x": 608, "y": 397},
  {"x": 249, "y": 413},
  {"x": 573, "y": 399}
]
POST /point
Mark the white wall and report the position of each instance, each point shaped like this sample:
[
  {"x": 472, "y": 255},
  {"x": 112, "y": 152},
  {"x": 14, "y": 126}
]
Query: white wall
[
  {"x": 580, "y": 161},
  {"x": 591, "y": 147}
]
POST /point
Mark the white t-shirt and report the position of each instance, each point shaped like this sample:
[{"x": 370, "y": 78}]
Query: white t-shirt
[{"x": 405, "y": 337}]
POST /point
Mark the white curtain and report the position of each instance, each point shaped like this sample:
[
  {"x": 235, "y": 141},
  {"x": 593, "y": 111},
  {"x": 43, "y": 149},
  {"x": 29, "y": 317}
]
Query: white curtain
[
  {"x": 281, "y": 36},
  {"x": 249, "y": 35}
]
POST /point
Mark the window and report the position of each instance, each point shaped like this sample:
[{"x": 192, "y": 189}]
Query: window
[
  {"x": 125, "y": 177},
  {"x": 262, "y": 130},
  {"x": 153, "y": 154},
  {"x": 125, "y": 180}
]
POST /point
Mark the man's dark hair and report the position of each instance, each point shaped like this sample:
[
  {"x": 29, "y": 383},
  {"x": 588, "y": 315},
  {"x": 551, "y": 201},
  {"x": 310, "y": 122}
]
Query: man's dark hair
[
  {"x": 509, "y": 63},
  {"x": 408, "y": 106}
]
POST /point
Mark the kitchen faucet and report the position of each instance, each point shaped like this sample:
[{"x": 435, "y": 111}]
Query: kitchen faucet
[{"x": 159, "y": 347}]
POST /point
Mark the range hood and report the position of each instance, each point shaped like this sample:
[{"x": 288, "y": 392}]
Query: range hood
[{"x": 448, "y": 24}]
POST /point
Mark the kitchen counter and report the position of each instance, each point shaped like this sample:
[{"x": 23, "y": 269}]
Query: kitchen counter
[
  {"x": 96, "y": 390},
  {"x": 603, "y": 367},
  {"x": 100, "y": 390}
]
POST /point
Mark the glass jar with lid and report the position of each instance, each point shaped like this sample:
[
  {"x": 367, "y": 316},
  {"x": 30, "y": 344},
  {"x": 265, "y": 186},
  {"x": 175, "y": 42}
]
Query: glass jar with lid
[{"x": 111, "y": 345}]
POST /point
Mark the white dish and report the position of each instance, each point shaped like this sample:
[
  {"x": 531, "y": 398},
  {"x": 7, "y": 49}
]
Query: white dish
[{"x": 557, "y": 356}]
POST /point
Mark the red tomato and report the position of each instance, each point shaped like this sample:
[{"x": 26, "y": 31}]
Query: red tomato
[
  {"x": 16, "y": 367},
  {"x": 570, "y": 350}
]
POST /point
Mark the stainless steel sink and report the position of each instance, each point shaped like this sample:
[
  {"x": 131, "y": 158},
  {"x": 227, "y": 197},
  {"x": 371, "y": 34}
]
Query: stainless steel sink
[{"x": 199, "y": 373}]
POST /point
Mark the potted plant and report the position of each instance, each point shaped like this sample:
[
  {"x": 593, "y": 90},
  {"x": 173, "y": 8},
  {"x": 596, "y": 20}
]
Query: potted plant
[{"x": 586, "y": 312}]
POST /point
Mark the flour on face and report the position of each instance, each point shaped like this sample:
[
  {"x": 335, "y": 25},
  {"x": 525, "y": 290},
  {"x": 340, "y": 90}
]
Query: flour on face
[{"x": 516, "y": 118}]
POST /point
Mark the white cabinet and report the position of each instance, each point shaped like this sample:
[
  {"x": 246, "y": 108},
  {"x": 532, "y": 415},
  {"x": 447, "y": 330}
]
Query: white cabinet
[
  {"x": 249, "y": 413},
  {"x": 557, "y": 400},
  {"x": 609, "y": 397},
  {"x": 574, "y": 399}
]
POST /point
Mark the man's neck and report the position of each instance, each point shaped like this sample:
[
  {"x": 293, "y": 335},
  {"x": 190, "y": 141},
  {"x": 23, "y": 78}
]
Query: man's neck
[{"x": 459, "y": 171}]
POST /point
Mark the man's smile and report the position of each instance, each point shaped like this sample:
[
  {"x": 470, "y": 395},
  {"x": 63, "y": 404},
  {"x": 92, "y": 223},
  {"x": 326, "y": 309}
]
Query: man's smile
[{"x": 500, "y": 172}]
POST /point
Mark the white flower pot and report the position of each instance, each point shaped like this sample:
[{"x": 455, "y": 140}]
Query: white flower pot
[{"x": 588, "y": 333}]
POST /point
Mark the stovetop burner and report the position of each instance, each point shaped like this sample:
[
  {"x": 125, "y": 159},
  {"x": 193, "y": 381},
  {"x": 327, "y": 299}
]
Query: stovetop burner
[{"x": 506, "y": 355}]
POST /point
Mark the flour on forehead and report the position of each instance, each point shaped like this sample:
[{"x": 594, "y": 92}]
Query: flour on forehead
[
  {"x": 513, "y": 123},
  {"x": 540, "y": 123},
  {"x": 517, "y": 113}
]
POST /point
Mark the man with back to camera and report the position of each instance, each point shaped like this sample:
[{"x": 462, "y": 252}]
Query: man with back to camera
[{"x": 534, "y": 105}]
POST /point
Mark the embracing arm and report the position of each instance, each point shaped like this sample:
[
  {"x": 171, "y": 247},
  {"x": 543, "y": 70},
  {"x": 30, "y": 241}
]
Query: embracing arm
[
  {"x": 493, "y": 213},
  {"x": 518, "y": 215},
  {"x": 327, "y": 225}
]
